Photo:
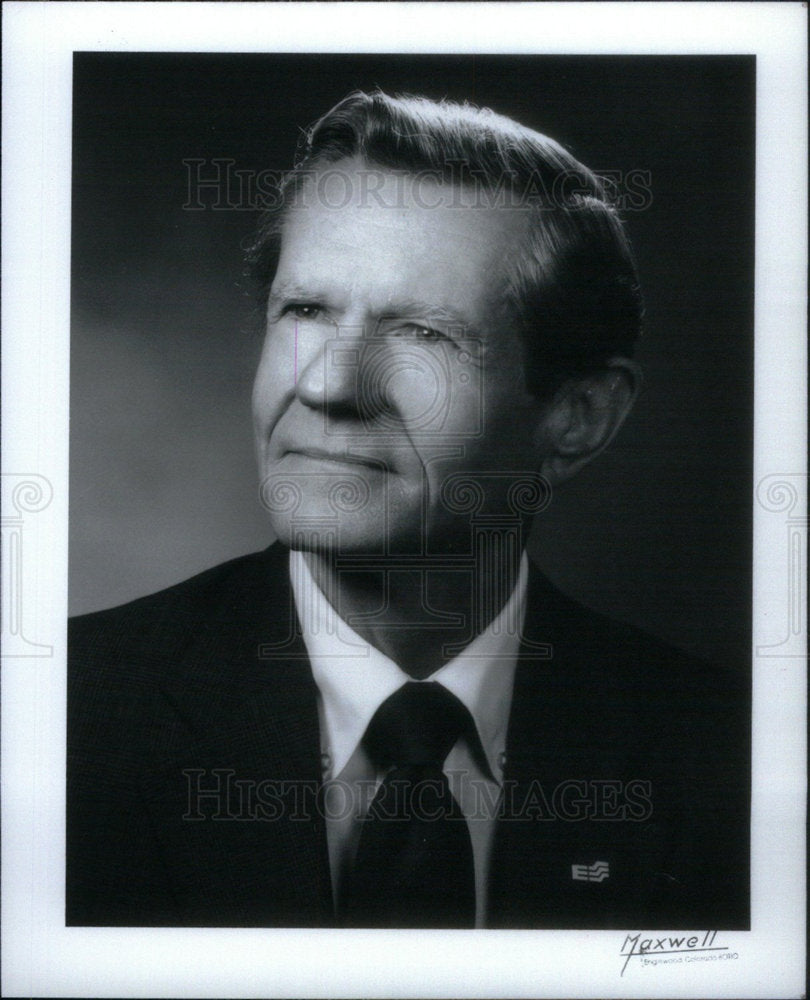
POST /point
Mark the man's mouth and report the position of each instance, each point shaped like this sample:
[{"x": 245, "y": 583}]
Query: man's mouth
[{"x": 339, "y": 458}]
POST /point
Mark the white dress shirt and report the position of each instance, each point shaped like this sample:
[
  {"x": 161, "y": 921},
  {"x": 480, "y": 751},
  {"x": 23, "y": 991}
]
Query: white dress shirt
[{"x": 354, "y": 679}]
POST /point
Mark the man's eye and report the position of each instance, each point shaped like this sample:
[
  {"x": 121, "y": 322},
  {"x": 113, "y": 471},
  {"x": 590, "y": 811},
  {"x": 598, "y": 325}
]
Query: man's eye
[
  {"x": 302, "y": 310},
  {"x": 419, "y": 332}
]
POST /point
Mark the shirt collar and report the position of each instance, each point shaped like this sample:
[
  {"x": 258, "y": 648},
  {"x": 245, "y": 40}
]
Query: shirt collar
[{"x": 354, "y": 678}]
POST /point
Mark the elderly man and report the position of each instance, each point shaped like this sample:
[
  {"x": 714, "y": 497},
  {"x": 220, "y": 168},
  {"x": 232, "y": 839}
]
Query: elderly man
[{"x": 389, "y": 718}]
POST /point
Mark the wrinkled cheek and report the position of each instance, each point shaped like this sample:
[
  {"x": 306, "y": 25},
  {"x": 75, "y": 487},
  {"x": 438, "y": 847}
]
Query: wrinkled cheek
[
  {"x": 444, "y": 522},
  {"x": 429, "y": 390},
  {"x": 272, "y": 385}
]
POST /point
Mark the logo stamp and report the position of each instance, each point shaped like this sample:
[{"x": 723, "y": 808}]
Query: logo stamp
[{"x": 597, "y": 872}]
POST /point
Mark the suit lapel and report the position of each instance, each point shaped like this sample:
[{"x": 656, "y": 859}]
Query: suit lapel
[
  {"x": 233, "y": 782},
  {"x": 569, "y": 742}
]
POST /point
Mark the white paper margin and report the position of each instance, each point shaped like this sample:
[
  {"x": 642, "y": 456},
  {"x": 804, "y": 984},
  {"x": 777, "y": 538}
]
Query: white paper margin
[{"x": 43, "y": 958}]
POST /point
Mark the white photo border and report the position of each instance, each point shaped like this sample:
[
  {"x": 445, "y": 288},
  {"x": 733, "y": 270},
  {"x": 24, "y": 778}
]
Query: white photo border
[{"x": 41, "y": 957}]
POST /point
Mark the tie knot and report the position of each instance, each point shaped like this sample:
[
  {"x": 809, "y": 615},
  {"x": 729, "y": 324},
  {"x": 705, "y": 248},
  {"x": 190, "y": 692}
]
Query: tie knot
[{"x": 418, "y": 724}]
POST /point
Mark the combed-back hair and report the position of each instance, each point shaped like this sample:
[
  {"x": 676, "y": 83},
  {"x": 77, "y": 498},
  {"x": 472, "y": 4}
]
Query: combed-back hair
[{"x": 572, "y": 285}]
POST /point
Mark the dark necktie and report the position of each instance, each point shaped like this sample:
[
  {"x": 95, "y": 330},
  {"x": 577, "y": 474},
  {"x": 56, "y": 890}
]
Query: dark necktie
[{"x": 414, "y": 864}]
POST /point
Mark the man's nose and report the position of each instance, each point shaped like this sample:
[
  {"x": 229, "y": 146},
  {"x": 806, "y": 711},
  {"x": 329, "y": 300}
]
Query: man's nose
[{"x": 332, "y": 378}]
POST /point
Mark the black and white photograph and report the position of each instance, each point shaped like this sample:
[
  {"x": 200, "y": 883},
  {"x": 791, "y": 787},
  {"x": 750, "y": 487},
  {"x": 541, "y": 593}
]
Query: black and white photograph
[
  {"x": 455, "y": 323},
  {"x": 412, "y": 497}
]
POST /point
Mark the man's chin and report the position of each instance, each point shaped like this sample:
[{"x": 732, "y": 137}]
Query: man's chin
[
  {"x": 320, "y": 536},
  {"x": 357, "y": 537}
]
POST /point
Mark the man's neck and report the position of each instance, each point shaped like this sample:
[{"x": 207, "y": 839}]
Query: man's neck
[{"x": 415, "y": 615}]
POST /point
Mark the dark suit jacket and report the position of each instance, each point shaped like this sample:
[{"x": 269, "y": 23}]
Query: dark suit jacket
[{"x": 620, "y": 750}]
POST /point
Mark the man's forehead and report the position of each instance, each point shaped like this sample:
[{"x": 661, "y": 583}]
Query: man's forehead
[
  {"x": 408, "y": 239},
  {"x": 385, "y": 275},
  {"x": 339, "y": 193}
]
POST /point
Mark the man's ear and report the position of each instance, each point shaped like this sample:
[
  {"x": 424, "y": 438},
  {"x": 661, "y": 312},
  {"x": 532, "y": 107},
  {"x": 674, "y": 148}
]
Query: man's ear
[{"x": 583, "y": 417}]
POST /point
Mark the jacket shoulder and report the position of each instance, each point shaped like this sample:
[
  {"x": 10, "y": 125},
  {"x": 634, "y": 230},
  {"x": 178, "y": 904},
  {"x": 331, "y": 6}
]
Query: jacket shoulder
[
  {"x": 127, "y": 652},
  {"x": 204, "y": 589},
  {"x": 598, "y": 647},
  {"x": 214, "y": 594}
]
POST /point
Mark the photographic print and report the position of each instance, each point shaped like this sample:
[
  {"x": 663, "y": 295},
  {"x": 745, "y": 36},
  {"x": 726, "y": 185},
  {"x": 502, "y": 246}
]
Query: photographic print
[
  {"x": 414, "y": 437},
  {"x": 419, "y": 556}
]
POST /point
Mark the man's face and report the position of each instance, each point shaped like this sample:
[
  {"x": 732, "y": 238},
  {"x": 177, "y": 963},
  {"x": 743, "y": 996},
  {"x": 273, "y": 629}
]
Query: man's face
[{"x": 390, "y": 365}]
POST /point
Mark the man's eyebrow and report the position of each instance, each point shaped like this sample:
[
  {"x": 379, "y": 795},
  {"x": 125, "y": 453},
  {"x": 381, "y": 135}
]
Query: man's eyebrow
[{"x": 290, "y": 291}]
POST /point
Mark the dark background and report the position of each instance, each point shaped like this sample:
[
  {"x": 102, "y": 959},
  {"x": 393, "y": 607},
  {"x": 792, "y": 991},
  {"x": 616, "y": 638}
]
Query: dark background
[{"x": 165, "y": 333}]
